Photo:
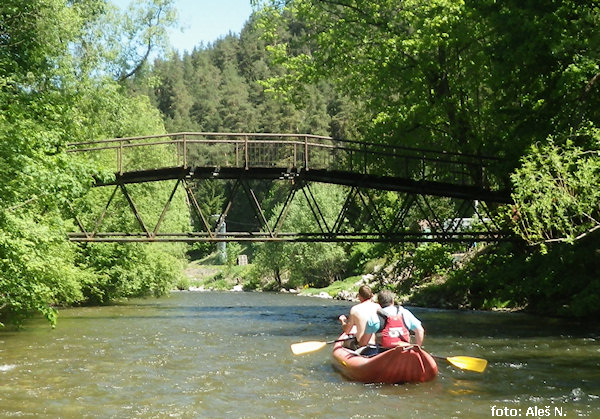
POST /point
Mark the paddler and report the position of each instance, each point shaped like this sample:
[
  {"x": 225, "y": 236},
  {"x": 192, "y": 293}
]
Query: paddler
[
  {"x": 363, "y": 321},
  {"x": 396, "y": 323}
]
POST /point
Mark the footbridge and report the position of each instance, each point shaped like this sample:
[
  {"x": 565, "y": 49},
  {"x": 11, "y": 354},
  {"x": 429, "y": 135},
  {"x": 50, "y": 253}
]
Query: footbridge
[{"x": 419, "y": 179}]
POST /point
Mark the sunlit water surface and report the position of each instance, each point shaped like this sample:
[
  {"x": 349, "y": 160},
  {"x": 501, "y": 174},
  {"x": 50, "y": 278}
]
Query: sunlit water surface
[{"x": 227, "y": 355}]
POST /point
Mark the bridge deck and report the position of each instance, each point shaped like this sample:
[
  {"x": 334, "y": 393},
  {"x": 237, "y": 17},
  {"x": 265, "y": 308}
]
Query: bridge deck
[{"x": 338, "y": 177}]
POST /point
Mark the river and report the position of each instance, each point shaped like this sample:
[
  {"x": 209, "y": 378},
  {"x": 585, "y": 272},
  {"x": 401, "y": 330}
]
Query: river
[{"x": 227, "y": 355}]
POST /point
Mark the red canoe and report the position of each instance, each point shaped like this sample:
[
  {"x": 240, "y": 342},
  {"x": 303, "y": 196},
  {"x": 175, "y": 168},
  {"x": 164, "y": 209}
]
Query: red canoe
[{"x": 399, "y": 365}]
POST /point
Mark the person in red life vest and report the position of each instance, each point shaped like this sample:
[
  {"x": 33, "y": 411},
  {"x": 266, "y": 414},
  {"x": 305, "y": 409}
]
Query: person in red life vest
[{"x": 396, "y": 323}]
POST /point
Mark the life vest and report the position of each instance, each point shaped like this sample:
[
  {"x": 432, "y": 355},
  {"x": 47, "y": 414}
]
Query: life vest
[{"x": 394, "y": 330}]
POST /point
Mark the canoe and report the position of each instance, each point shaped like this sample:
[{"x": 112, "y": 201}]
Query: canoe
[{"x": 409, "y": 364}]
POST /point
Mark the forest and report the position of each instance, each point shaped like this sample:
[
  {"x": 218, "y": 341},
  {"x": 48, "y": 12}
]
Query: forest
[{"x": 512, "y": 79}]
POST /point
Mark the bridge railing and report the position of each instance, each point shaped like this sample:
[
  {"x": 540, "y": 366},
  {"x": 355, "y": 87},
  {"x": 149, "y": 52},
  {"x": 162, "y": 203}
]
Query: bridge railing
[{"x": 292, "y": 151}]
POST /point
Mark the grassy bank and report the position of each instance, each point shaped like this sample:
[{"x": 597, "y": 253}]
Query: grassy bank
[{"x": 208, "y": 274}]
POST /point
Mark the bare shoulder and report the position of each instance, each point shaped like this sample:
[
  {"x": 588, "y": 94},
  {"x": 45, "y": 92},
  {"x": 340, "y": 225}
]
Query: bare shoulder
[{"x": 374, "y": 306}]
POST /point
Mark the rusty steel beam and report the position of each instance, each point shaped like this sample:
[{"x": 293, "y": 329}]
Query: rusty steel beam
[
  {"x": 411, "y": 237},
  {"x": 387, "y": 183}
]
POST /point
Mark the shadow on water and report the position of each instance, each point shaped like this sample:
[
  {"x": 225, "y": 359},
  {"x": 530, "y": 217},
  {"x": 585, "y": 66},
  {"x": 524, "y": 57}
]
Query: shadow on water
[{"x": 501, "y": 324}]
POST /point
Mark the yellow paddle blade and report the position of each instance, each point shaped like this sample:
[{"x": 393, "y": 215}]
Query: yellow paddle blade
[
  {"x": 468, "y": 363},
  {"x": 306, "y": 347}
]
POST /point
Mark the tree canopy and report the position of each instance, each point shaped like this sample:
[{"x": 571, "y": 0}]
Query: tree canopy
[{"x": 52, "y": 92}]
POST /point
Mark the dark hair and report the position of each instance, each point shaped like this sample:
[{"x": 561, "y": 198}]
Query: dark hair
[
  {"x": 365, "y": 292},
  {"x": 385, "y": 298}
]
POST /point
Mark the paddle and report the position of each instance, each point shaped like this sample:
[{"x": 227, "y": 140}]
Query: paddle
[
  {"x": 466, "y": 362},
  {"x": 302, "y": 348}
]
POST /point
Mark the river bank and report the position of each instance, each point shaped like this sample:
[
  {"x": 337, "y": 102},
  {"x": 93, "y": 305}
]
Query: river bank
[
  {"x": 505, "y": 277},
  {"x": 433, "y": 293},
  {"x": 203, "y": 278}
]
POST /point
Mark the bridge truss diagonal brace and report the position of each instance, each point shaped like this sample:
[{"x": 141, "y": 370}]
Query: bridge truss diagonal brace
[
  {"x": 339, "y": 222},
  {"x": 399, "y": 218},
  {"x": 135, "y": 211},
  {"x": 82, "y": 228},
  {"x": 132, "y": 206},
  {"x": 90, "y": 236},
  {"x": 228, "y": 204},
  {"x": 103, "y": 214},
  {"x": 365, "y": 202},
  {"x": 251, "y": 196},
  {"x": 315, "y": 209},
  {"x": 258, "y": 211},
  {"x": 193, "y": 204},
  {"x": 166, "y": 207},
  {"x": 285, "y": 208},
  {"x": 372, "y": 210}
]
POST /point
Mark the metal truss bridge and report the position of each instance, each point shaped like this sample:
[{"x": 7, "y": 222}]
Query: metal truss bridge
[{"x": 418, "y": 178}]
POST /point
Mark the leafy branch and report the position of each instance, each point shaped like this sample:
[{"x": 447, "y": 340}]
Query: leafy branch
[{"x": 556, "y": 194}]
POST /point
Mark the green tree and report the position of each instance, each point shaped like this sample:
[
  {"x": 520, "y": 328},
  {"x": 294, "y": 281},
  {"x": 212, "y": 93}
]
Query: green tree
[
  {"x": 120, "y": 43},
  {"x": 202, "y": 79},
  {"x": 36, "y": 178},
  {"x": 473, "y": 76},
  {"x": 556, "y": 193},
  {"x": 235, "y": 108},
  {"x": 52, "y": 93},
  {"x": 172, "y": 96}
]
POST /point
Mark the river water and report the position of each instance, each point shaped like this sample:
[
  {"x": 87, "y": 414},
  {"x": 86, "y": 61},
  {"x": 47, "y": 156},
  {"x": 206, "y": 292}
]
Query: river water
[{"x": 227, "y": 355}]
